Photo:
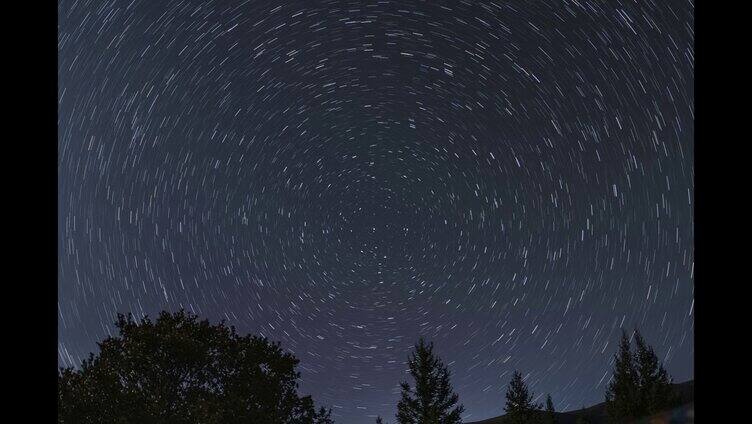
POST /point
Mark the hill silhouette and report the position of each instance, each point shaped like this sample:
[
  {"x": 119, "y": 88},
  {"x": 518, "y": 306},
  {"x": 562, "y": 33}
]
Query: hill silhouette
[{"x": 596, "y": 414}]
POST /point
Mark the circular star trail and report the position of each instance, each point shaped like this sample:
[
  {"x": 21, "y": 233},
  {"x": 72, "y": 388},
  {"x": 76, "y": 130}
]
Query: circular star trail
[{"x": 513, "y": 181}]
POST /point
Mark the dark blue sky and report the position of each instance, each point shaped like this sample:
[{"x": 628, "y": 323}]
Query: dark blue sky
[{"x": 513, "y": 181}]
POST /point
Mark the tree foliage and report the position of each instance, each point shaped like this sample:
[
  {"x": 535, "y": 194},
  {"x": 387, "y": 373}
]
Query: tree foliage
[
  {"x": 182, "y": 370},
  {"x": 656, "y": 393},
  {"x": 431, "y": 400},
  {"x": 520, "y": 408},
  {"x": 549, "y": 417},
  {"x": 622, "y": 393},
  {"x": 640, "y": 385}
]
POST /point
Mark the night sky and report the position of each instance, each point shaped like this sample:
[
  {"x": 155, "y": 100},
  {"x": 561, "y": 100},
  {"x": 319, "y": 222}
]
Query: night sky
[{"x": 511, "y": 180}]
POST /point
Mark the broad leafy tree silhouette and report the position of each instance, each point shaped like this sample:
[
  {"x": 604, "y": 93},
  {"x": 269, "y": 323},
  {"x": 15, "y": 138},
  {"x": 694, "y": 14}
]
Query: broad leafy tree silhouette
[{"x": 180, "y": 369}]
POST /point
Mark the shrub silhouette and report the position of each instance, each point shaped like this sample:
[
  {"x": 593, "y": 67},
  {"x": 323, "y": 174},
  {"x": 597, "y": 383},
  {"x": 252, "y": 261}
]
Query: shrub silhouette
[{"x": 182, "y": 370}]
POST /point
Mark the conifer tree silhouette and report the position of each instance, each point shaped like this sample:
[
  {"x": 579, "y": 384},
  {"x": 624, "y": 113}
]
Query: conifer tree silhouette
[
  {"x": 640, "y": 385},
  {"x": 431, "y": 400},
  {"x": 519, "y": 407},
  {"x": 550, "y": 416}
]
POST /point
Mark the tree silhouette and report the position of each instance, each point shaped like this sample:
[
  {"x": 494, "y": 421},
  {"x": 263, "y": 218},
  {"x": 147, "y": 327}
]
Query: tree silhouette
[
  {"x": 520, "y": 408},
  {"x": 550, "y": 416},
  {"x": 432, "y": 400},
  {"x": 182, "y": 370},
  {"x": 640, "y": 385},
  {"x": 622, "y": 392},
  {"x": 656, "y": 393}
]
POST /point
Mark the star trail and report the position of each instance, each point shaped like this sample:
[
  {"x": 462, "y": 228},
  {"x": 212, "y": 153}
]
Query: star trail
[{"x": 511, "y": 180}]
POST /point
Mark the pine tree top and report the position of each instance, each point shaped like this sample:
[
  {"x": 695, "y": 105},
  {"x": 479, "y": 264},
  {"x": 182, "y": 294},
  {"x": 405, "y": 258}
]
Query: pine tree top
[
  {"x": 640, "y": 385},
  {"x": 431, "y": 399}
]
